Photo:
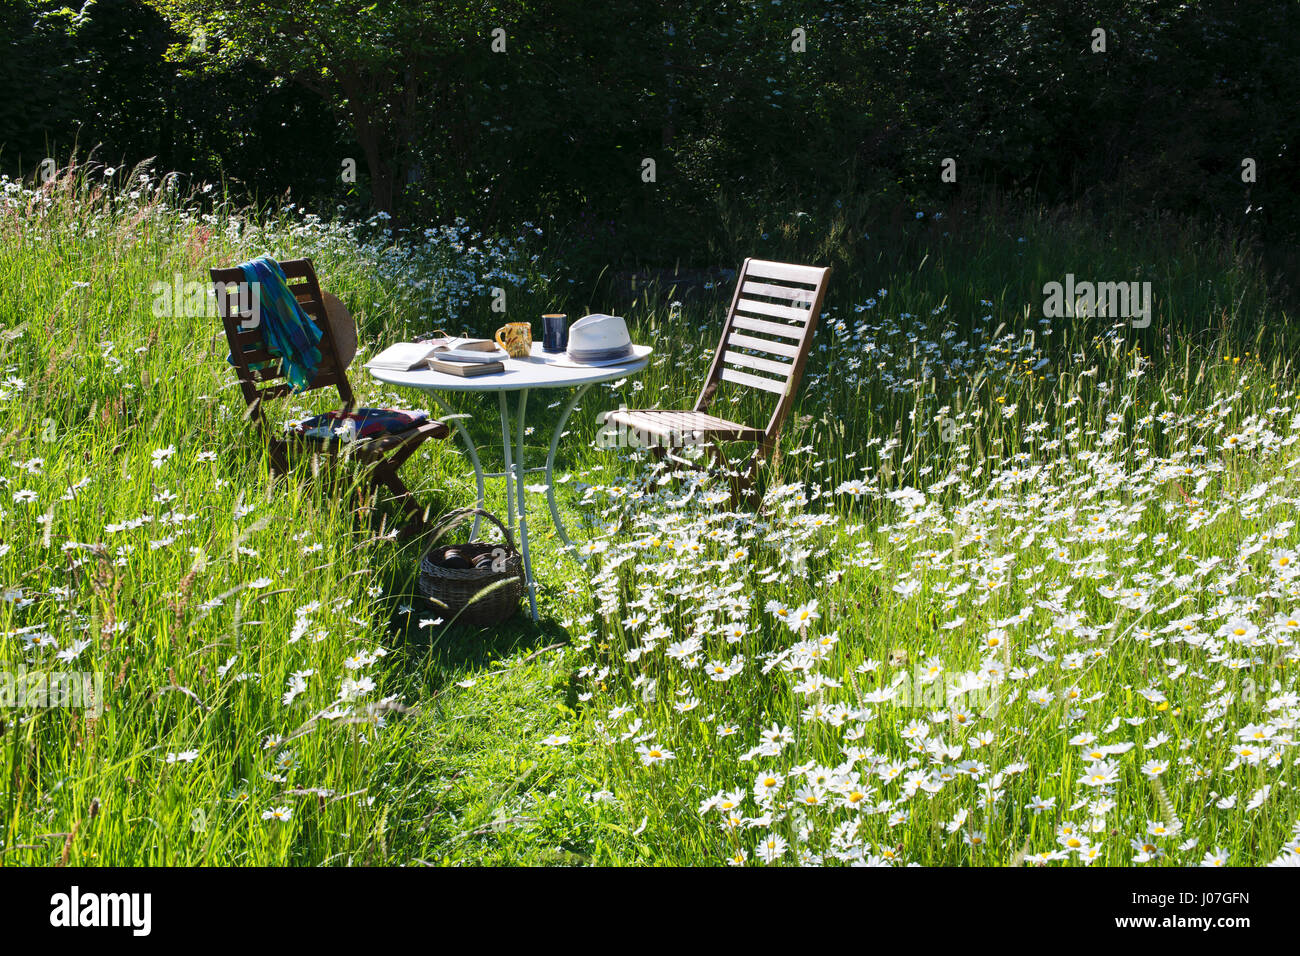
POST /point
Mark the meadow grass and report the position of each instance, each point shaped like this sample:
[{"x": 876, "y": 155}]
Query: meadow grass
[{"x": 1020, "y": 591}]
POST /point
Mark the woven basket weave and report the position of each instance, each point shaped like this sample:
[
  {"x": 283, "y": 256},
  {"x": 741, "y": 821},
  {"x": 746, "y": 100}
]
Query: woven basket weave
[{"x": 474, "y": 596}]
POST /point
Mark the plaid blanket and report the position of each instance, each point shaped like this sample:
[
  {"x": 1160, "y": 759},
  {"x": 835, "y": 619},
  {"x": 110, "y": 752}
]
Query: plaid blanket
[
  {"x": 288, "y": 331},
  {"x": 363, "y": 423}
]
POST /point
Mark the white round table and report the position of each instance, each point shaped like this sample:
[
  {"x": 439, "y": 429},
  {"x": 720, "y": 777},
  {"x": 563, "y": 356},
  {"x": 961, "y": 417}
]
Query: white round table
[{"x": 540, "y": 370}]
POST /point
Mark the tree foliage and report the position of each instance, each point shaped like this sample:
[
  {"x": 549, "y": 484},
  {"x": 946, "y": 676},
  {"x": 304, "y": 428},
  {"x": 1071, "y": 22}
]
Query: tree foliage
[{"x": 516, "y": 109}]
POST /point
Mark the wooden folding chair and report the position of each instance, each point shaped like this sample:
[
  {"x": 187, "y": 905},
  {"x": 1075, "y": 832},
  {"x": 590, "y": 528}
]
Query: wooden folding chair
[
  {"x": 765, "y": 344},
  {"x": 382, "y": 454}
]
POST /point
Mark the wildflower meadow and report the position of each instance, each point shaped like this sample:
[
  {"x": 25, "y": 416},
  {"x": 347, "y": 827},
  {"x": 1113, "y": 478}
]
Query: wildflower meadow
[
  {"x": 676, "y": 447},
  {"x": 1020, "y": 590}
]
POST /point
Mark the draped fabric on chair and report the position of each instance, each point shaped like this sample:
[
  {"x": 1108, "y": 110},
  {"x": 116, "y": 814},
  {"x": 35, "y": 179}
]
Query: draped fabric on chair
[{"x": 263, "y": 378}]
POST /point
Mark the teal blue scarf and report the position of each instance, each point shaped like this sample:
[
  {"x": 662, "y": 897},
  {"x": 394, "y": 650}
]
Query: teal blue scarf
[{"x": 288, "y": 331}]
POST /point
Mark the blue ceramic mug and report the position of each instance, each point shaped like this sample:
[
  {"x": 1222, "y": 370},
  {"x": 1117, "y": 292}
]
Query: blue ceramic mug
[{"x": 555, "y": 332}]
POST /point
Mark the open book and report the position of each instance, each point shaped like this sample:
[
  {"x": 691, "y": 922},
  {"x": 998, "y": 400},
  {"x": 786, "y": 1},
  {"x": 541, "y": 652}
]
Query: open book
[{"x": 406, "y": 356}]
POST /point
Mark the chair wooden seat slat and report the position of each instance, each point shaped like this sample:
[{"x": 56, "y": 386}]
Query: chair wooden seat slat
[
  {"x": 785, "y": 272},
  {"x": 384, "y": 454},
  {"x": 784, "y": 293},
  {"x": 755, "y": 362},
  {"x": 796, "y": 333},
  {"x": 784, "y": 331},
  {"x": 730, "y": 374},
  {"x": 769, "y": 346},
  {"x": 787, "y": 312},
  {"x": 669, "y": 423}
]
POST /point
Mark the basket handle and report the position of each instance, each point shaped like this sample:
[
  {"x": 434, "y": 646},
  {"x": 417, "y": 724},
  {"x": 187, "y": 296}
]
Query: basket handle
[{"x": 453, "y": 518}]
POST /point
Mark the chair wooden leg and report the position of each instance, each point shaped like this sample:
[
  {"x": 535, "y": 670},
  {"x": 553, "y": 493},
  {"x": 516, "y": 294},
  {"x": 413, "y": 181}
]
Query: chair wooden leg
[
  {"x": 748, "y": 485},
  {"x": 387, "y": 477},
  {"x": 745, "y": 485},
  {"x": 416, "y": 514},
  {"x": 660, "y": 454},
  {"x": 724, "y": 464},
  {"x": 401, "y": 453},
  {"x": 664, "y": 453},
  {"x": 279, "y": 454},
  {"x": 384, "y": 475},
  {"x": 744, "y": 488}
]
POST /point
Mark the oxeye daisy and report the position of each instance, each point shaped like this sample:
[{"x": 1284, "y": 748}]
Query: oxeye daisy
[
  {"x": 652, "y": 755},
  {"x": 766, "y": 785},
  {"x": 803, "y": 615}
]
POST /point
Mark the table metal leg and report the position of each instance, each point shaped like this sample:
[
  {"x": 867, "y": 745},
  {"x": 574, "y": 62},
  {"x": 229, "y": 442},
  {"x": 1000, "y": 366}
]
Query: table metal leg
[
  {"x": 473, "y": 456},
  {"x": 509, "y": 473},
  {"x": 550, "y": 464},
  {"x": 523, "y": 506},
  {"x": 516, "y": 492}
]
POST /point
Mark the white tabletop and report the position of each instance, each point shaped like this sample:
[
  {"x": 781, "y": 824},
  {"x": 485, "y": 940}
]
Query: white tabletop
[{"x": 538, "y": 371}]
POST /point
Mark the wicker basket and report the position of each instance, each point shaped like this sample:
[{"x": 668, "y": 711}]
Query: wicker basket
[{"x": 478, "y": 596}]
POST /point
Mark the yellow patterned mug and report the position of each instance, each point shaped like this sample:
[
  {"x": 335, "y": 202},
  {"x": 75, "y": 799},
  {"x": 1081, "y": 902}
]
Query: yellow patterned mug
[{"x": 516, "y": 338}]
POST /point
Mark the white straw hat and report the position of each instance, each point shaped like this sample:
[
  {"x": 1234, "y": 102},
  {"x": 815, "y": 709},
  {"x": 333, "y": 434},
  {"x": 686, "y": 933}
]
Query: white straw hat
[{"x": 599, "y": 339}]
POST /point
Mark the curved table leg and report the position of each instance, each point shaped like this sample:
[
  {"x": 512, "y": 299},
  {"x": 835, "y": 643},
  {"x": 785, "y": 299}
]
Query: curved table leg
[
  {"x": 505, "y": 444},
  {"x": 550, "y": 465},
  {"x": 473, "y": 456},
  {"x": 520, "y": 473}
]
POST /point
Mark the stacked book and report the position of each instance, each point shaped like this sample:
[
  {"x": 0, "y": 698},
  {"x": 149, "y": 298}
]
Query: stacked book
[{"x": 453, "y": 356}]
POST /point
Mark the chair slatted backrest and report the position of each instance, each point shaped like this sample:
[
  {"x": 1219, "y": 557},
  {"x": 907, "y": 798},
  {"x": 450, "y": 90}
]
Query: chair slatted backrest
[
  {"x": 248, "y": 344},
  {"x": 768, "y": 333}
]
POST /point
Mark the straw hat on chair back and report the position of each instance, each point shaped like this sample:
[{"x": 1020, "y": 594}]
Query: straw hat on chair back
[{"x": 342, "y": 328}]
